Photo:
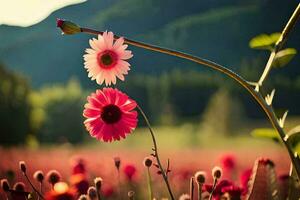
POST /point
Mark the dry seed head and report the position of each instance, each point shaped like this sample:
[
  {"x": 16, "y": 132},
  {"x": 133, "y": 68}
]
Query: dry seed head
[
  {"x": 217, "y": 172},
  {"x": 92, "y": 192},
  {"x": 83, "y": 197},
  {"x": 5, "y": 185},
  {"x": 131, "y": 194},
  {"x": 117, "y": 161},
  {"x": 39, "y": 176},
  {"x": 22, "y": 166},
  {"x": 19, "y": 186},
  {"x": 53, "y": 177},
  {"x": 98, "y": 183},
  {"x": 200, "y": 177},
  {"x": 147, "y": 162}
]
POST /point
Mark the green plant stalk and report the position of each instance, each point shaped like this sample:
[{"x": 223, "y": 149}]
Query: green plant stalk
[
  {"x": 149, "y": 182},
  {"x": 279, "y": 44},
  {"x": 163, "y": 172},
  {"x": 192, "y": 188},
  {"x": 213, "y": 188},
  {"x": 36, "y": 191},
  {"x": 199, "y": 191}
]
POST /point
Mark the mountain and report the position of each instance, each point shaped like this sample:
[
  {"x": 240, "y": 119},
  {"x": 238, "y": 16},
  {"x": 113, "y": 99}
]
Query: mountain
[{"x": 215, "y": 29}]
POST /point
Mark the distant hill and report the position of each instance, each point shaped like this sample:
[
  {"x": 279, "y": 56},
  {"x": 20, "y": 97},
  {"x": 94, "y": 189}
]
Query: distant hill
[{"x": 215, "y": 29}]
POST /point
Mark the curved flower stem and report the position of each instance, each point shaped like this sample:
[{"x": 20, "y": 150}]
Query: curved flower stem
[
  {"x": 279, "y": 44},
  {"x": 163, "y": 172}
]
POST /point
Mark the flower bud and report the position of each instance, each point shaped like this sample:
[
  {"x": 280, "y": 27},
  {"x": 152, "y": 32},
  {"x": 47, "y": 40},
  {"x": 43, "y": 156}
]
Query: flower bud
[
  {"x": 217, "y": 172},
  {"x": 22, "y": 166},
  {"x": 83, "y": 197},
  {"x": 67, "y": 27},
  {"x": 131, "y": 194},
  {"x": 19, "y": 186},
  {"x": 53, "y": 177},
  {"x": 5, "y": 185},
  {"x": 117, "y": 161},
  {"x": 147, "y": 162},
  {"x": 39, "y": 176},
  {"x": 98, "y": 183},
  {"x": 200, "y": 177},
  {"x": 92, "y": 193}
]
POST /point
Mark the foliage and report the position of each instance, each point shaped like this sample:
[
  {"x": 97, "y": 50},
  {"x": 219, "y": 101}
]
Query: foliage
[
  {"x": 56, "y": 112},
  {"x": 14, "y": 107}
]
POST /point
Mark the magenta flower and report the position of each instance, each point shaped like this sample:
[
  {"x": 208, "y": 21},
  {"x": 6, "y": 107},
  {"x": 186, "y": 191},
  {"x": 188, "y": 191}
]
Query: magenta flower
[
  {"x": 105, "y": 60},
  {"x": 129, "y": 171},
  {"x": 110, "y": 115},
  {"x": 228, "y": 162}
]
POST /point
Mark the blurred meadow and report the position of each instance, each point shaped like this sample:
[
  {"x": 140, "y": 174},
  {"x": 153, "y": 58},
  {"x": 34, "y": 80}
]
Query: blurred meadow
[{"x": 198, "y": 115}]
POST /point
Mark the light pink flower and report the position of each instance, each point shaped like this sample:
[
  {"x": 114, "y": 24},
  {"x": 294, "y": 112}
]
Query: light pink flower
[
  {"x": 110, "y": 115},
  {"x": 105, "y": 60}
]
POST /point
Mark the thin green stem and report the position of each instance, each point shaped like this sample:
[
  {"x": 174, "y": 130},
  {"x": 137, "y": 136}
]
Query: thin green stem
[
  {"x": 36, "y": 191},
  {"x": 155, "y": 149},
  {"x": 213, "y": 188},
  {"x": 149, "y": 184},
  {"x": 199, "y": 191},
  {"x": 279, "y": 44},
  {"x": 192, "y": 188}
]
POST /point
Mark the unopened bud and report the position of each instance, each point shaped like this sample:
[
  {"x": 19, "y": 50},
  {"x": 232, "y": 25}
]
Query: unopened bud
[
  {"x": 22, "y": 166},
  {"x": 217, "y": 172},
  {"x": 98, "y": 183},
  {"x": 131, "y": 195},
  {"x": 92, "y": 193},
  {"x": 83, "y": 197},
  {"x": 200, "y": 177},
  {"x": 147, "y": 162},
  {"x": 5, "y": 185},
  {"x": 19, "y": 186},
  {"x": 117, "y": 161},
  {"x": 53, "y": 177},
  {"x": 67, "y": 27},
  {"x": 39, "y": 176}
]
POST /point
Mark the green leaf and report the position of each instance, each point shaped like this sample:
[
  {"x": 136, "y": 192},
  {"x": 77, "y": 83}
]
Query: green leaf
[
  {"x": 267, "y": 133},
  {"x": 264, "y": 41},
  {"x": 283, "y": 57}
]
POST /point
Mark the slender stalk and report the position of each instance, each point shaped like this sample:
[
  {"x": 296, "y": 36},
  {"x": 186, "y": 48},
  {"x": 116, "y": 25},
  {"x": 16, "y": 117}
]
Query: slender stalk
[
  {"x": 279, "y": 44},
  {"x": 199, "y": 191},
  {"x": 213, "y": 188},
  {"x": 163, "y": 172},
  {"x": 149, "y": 184},
  {"x": 36, "y": 191},
  {"x": 192, "y": 188}
]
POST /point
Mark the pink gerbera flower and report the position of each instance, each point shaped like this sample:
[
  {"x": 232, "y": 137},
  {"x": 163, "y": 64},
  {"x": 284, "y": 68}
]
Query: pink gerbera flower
[
  {"x": 110, "y": 115},
  {"x": 105, "y": 60}
]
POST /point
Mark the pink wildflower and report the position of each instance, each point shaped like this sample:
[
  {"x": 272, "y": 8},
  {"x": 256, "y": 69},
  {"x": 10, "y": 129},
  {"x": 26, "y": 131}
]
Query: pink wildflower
[{"x": 105, "y": 60}]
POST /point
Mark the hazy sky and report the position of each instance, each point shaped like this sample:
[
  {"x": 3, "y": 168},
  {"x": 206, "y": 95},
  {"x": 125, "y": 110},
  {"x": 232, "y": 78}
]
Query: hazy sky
[{"x": 29, "y": 12}]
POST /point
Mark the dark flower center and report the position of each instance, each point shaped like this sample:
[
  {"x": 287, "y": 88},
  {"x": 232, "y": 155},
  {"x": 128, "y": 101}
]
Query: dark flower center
[
  {"x": 111, "y": 114},
  {"x": 107, "y": 59}
]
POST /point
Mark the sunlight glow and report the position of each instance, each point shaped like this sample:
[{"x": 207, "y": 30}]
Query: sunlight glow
[{"x": 28, "y": 12}]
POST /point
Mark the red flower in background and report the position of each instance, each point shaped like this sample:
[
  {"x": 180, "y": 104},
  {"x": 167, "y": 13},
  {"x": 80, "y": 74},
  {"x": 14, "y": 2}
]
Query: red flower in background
[
  {"x": 78, "y": 166},
  {"x": 228, "y": 162},
  {"x": 224, "y": 188},
  {"x": 129, "y": 171},
  {"x": 79, "y": 183}
]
